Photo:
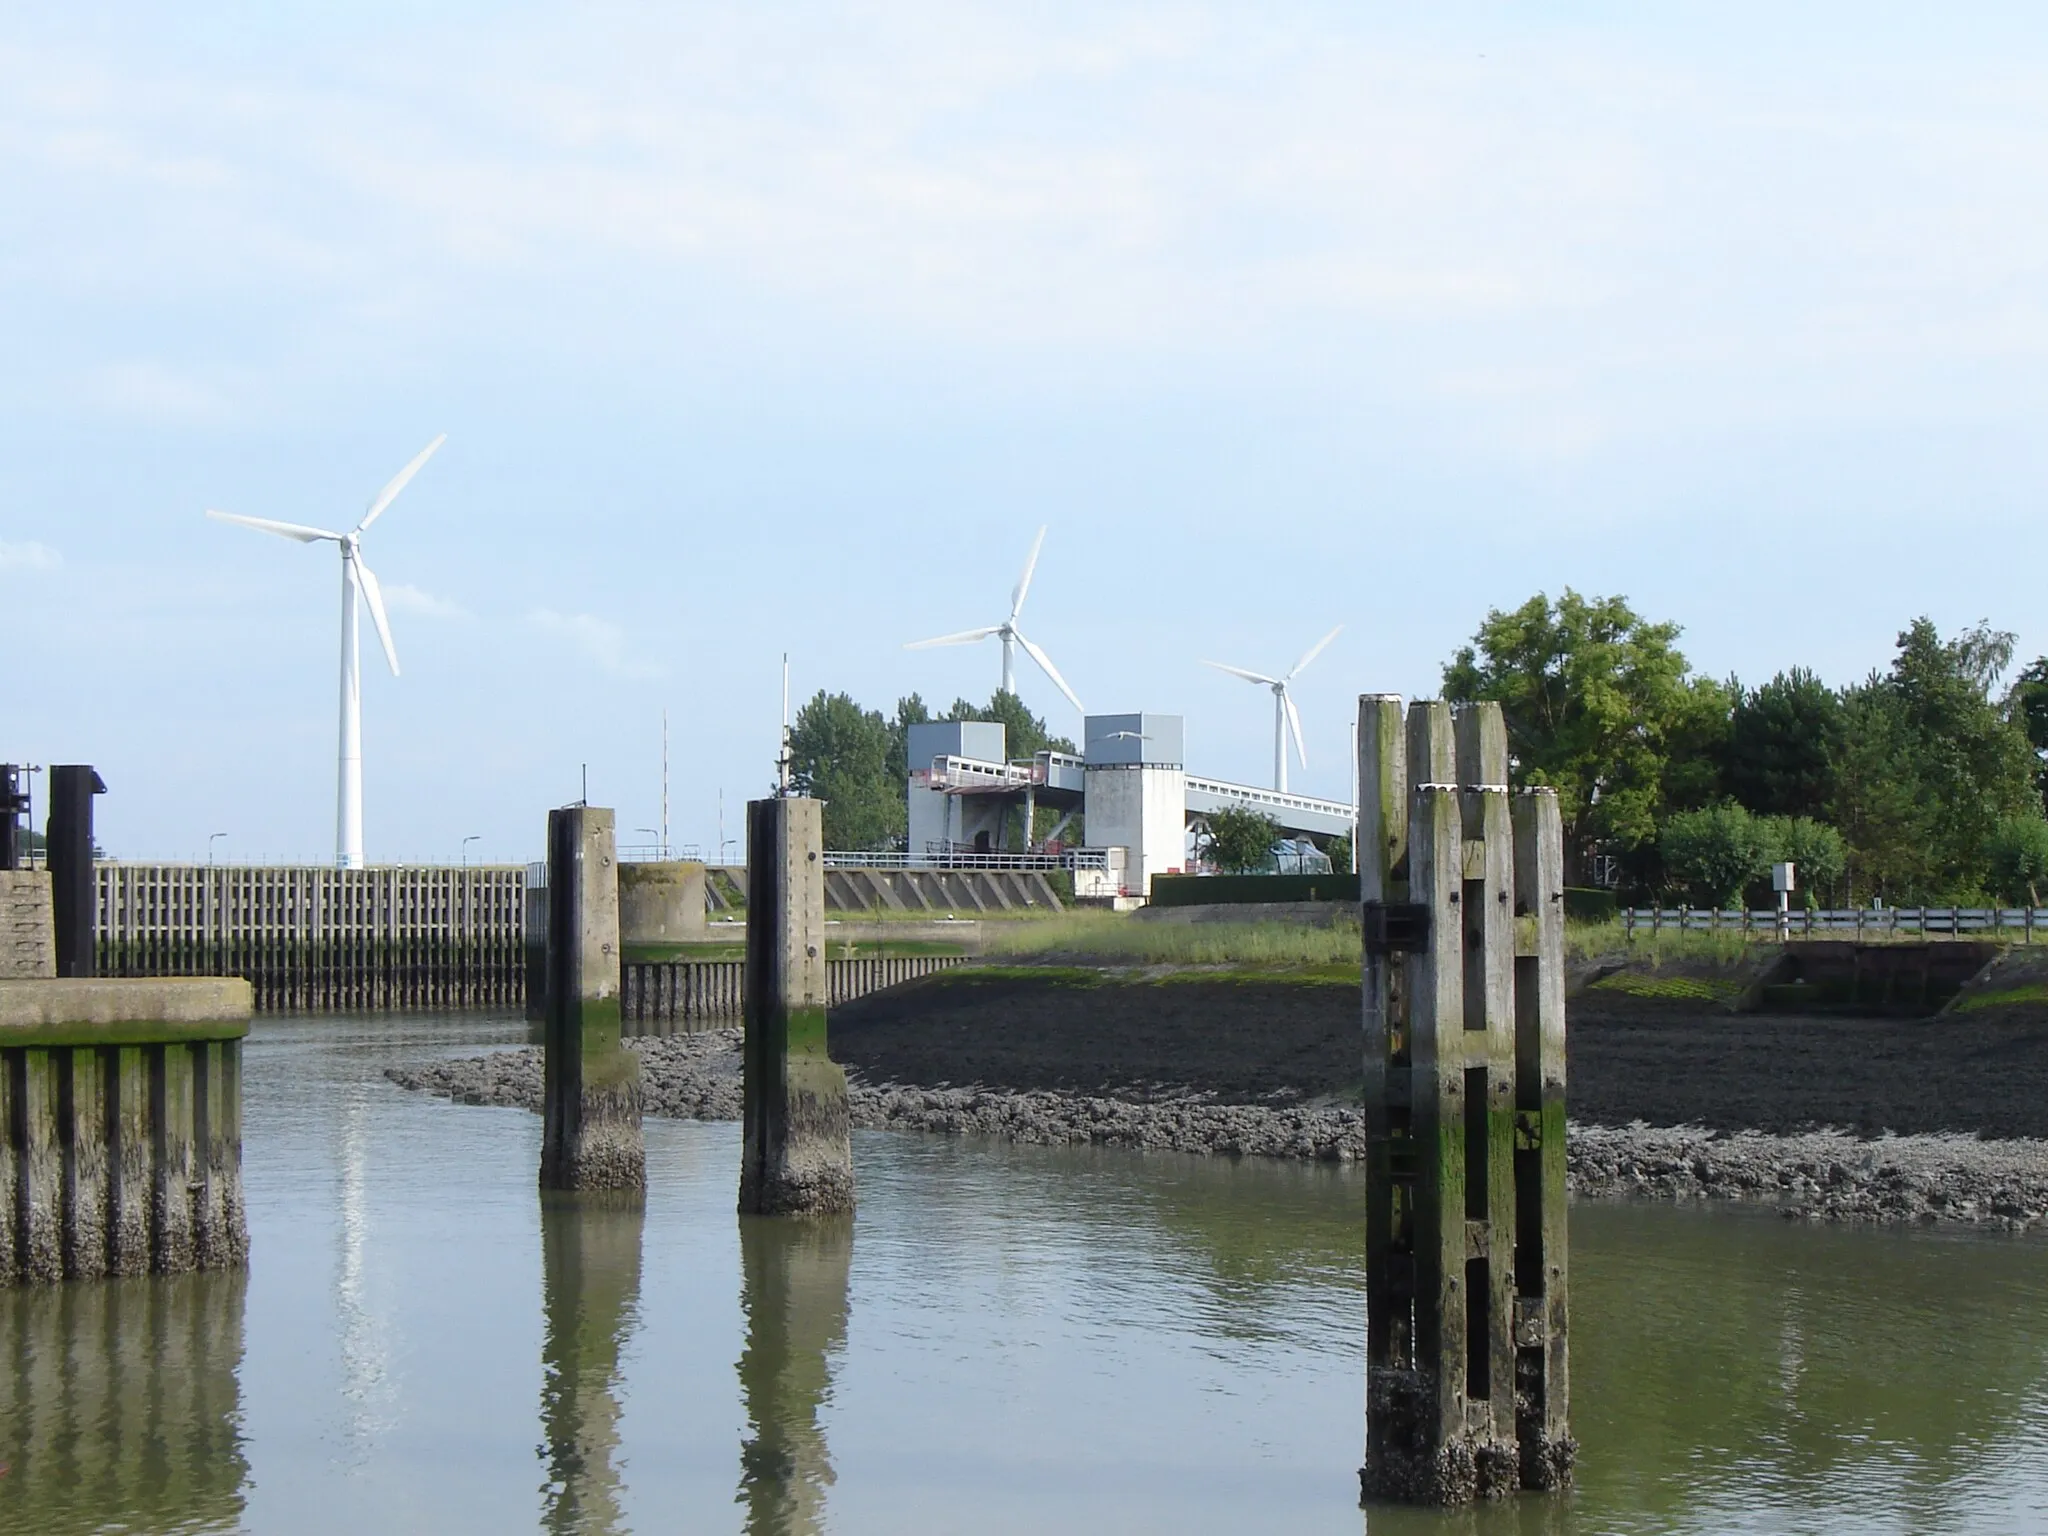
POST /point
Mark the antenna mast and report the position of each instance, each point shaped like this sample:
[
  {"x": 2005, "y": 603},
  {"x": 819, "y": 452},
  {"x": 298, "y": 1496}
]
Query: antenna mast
[
  {"x": 782, "y": 753},
  {"x": 664, "y": 785}
]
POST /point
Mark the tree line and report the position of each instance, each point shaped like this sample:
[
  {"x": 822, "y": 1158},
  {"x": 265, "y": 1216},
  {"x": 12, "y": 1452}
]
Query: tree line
[{"x": 1923, "y": 784}]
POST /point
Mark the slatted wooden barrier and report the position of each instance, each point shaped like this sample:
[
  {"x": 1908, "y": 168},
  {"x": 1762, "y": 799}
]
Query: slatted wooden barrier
[{"x": 688, "y": 991}]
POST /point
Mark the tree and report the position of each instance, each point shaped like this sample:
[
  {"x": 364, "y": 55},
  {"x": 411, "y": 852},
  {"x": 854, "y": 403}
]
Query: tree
[
  {"x": 1715, "y": 852},
  {"x": 1817, "y": 849},
  {"x": 2027, "y": 707},
  {"x": 1930, "y": 763},
  {"x": 1594, "y": 698},
  {"x": 839, "y": 753},
  {"x": 1241, "y": 839},
  {"x": 1783, "y": 743},
  {"x": 1339, "y": 850},
  {"x": 2016, "y": 859}
]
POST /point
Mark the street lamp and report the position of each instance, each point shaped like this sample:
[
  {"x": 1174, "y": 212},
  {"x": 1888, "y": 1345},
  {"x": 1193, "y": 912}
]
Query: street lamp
[
  {"x": 655, "y": 833},
  {"x": 216, "y": 837},
  {"x": 473, "y": 837}
]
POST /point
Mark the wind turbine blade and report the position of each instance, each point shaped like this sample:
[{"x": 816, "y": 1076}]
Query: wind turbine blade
[
  {"x": 1250, "y": 677},
  {"x": 1294, "y": 725},
  {"x": 376, "y": 596},
  {"x": 965, "y": 637},
  {"x": 398, "y": 481},
  {"x": 1024, "y": 581},
  {"x": 1045, "y": 665},
  {"x": 1316, "y": 650},
  {"x": 297, "y": 531}
]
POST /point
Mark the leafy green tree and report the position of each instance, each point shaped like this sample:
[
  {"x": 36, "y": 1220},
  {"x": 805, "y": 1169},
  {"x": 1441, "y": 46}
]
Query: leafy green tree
[
  {"x": 1784, "y": 740},
  {"x": 2027, "y": 707},
  {"x": 839, "y": 753},
  {"x": 1817, "y": 849},
  {"x": 1595, "y": 698},
  {"x": 1929, "y": 765},
  {"x": 1339, "y": 851},
  {"x": 1241, "y": 839},
  {"x": 2016, "y": 859},
  {"x": 1715, "y": 853}
]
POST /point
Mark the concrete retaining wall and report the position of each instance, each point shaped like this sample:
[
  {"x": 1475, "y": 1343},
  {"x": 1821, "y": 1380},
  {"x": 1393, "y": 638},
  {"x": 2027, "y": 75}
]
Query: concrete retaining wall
[
  {"x": 122, "y": 1108},
  {"x": 939, "y": 890}
]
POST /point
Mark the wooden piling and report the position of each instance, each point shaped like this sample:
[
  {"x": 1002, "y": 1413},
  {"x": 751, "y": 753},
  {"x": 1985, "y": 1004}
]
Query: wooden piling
[
  {"x": 590, "y": 1137},
  {"x": 796, "y": 1152},
  {"x": 1456, "y": 1217}
]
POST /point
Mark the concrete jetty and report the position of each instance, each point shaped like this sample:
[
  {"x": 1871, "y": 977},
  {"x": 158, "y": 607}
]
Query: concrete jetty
[
  {"x": 797, "y": 1156},
  {"x": 590, "y": 1137},
  {"x": 1462, "y": 905},
  {"x": 122, "y": 1108}
]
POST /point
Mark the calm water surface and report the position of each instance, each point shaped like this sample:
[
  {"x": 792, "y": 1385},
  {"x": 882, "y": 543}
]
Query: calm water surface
[{"x": 1004, "y": 1339}]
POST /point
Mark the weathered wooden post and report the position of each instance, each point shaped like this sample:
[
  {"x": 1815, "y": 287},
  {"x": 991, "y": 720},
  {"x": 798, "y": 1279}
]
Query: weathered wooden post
[
  {"x": 796, "y": 1155},
  {"x": 1462, "y": 907},
  {"x": 590, "y": 1136}
]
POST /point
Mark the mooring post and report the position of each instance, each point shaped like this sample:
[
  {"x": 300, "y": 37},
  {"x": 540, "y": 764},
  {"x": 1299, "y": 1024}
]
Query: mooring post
[
  {"x": 590, "y": 1138},
  {"x": 69, "y": 851},
  {"x": 796, "y": 1155},
  {"x": 1465, "y": 1314}
]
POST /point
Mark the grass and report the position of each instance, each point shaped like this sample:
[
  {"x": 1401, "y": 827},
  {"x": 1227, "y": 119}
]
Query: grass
[
  {"x": 1670, "y": 989},
  {"x": 1110, "y": 938},
  {"x": 2032, "y": 992},
  {"x": 1609, "y": 940}
]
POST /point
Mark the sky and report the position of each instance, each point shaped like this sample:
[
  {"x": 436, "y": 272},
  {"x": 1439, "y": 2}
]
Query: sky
[{"x": 763, "y": 329}]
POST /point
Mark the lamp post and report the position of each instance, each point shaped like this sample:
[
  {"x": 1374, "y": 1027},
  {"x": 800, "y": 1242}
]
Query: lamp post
[
  {"x": 210, "y": 841},
  {"x": 473, "y": 837}
]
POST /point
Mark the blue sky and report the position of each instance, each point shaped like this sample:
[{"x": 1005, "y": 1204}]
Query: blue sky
[{"x": 762, "y": 328}]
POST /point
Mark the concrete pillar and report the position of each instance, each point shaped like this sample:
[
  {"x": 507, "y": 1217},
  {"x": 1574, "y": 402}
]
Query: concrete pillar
[
  {"x": 795, "y": 1302},
  {"x": 796, "y": 1156},
  {"x": 590, "y": 1137},
  {"x": 71, "y": 870}
]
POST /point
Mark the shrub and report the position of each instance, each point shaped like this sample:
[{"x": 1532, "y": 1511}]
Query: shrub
[
  {"x": 2016, "y": 854},
  {"x": 1713, "y": 853}
]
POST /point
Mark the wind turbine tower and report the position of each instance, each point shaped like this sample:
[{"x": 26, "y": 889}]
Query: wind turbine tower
[
  {"x": 357, "y": 582},
  {"x": 1286, "y": 718},
  {"x": 1011, "y": 635}
]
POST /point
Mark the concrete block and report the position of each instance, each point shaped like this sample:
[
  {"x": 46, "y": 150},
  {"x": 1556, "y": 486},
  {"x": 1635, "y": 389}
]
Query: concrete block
[
  {"x": 661, "y": 903},
  {"x": 28, "y": 933}
]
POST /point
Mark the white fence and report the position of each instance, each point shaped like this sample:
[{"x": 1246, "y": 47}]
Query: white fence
[{"x": 1846, "y": 922}]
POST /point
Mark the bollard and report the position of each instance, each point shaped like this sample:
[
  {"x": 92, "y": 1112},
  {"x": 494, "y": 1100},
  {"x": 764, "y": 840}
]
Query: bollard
[
  {"x": 69, "y": 850},
  {"x": 1462, "y": 908},
  {"x": 796, "y": 1157},
  {"x": 590, "y": 1137}
]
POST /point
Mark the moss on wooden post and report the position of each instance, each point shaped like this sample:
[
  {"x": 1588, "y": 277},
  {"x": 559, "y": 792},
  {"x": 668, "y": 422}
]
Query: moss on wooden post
[{"x": 1452, "y": 1205}]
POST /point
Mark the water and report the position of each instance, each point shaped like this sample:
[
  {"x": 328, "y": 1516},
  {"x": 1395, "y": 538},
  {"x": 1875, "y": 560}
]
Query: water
[{"x": 1005, "y": 1339}]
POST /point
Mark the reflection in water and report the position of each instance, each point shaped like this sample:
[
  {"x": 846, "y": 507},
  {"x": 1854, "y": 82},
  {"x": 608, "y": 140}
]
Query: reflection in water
[
  {"x": 120, "y": 1406},
  {"x": 366, "y": 1388},
  {"x": 590, "y": 1247},
  {"x": 795, "y": 1304}
]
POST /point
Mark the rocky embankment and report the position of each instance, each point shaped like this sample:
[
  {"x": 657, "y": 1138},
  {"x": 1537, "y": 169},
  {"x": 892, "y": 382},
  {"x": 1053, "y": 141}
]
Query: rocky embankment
[{"x": 1826, "y": 1175}]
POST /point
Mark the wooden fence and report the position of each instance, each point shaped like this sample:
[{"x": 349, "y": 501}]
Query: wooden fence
[
  {"x": 693, "y": 991},
  {"x": 1846, "y": 922},
  {"x": 314, "y": 938}
]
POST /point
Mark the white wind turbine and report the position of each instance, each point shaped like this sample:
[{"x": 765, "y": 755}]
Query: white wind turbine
[
  {"x": 1012, "y": 636},
  {"x": 356, "y": 577},
  {"x": 1285, "y": 716}
]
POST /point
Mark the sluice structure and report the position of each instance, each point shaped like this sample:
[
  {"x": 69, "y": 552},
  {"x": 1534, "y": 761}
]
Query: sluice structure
[
  {"x": 1462, "y": 892},
  {"x": 320, "y": 939}
]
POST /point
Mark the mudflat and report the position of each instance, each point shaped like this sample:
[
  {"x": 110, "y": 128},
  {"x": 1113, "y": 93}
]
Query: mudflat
[{"x": 1252, "y": 1042}]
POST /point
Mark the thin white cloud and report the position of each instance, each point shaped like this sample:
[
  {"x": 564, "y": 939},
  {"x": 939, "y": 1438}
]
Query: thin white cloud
[
  {"x": 596, "y": 640},
  {"x": 156, "y": 392},
  {"x": 401, "y": 598},
  {"x": 29, "y": 556}
]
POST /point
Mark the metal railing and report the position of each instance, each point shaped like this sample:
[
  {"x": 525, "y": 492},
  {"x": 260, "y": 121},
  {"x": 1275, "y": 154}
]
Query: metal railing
[
  {"x": 967, "y": 856},
  {"x": 1842, "y": 922}
]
